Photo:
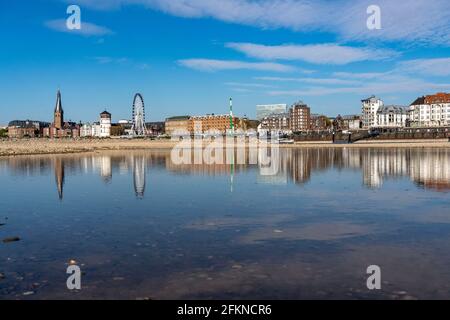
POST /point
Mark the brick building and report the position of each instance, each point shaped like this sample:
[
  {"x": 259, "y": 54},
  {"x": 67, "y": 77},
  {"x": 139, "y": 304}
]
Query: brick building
[
  {"x": 276, "y": 122},
  {"x": 319, "y": 122},
  {"x": 177, "y": 124},
  {"x": 300, "y": 115},
  {"x": 26, "y": 128},
  {"x": 218, "y": 123},
  {"x": 59, "y": 128}
]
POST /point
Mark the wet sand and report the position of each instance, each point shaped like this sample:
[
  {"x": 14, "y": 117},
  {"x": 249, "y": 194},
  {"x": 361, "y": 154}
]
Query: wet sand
[{"x": 45, "y": 146}]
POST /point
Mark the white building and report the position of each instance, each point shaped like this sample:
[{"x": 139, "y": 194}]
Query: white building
[
  {"x": 392, "y": 116},
  {"x": 352, "y": 122},
  {"x": 370, "y": 108},
  {"x": 100, "y": 129},
  {"x": 265, "y": 110},
  {"x": 431, "y": 111},
  {"x": 275, "y": 123},
  {"x": 105, "y": 124}
]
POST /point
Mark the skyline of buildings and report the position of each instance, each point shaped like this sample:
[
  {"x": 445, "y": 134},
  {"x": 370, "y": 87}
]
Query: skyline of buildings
[{"x": 426, "y": 111}]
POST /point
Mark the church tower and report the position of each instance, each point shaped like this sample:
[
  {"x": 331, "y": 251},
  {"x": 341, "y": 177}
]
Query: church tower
[{"x": 59, "y": 113}]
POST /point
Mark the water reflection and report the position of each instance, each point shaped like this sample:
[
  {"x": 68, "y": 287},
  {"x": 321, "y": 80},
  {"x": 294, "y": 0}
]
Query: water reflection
[
  {"x": 139, "y": 175},
  {"x": 59, "y": 176},
  {"x": 228, "y": 231},
  {"x": 428, "y": 168}
]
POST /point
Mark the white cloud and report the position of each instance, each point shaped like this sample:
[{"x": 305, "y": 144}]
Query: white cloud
[
  {"x": 211, "y": 65},
  {"x": 87, "y": 29},
  {"x": 427, "y": 67},
  {"x": 362, "y": 75},
  {"x": 407, "y": 20},
  {"x": 412, "y": 85},
  {"x": 322, "y": 81},
  {"x": 121, "y": 61},
  {"x": 317, "y": 53},
  {"x": 107, "y": 60},
  {"x": 414, "y": 21},
  {"x": 248, "y": 85}
]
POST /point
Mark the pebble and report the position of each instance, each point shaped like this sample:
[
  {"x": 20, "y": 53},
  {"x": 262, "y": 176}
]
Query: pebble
[
  {"x": 118, "y": 278},
  {"x": 237, "y": 266},
  {"x": 28, "y": 293},
  {"x": 408, "y": 297},
  {"x": 12, "y": 239},
  {"x": 278, "y": 231},
  {"x": 2, "y": 276}
]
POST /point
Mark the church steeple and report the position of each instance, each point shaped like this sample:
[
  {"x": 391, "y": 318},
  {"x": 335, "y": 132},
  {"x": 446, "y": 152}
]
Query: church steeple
[{"x": 59, "y": 113}]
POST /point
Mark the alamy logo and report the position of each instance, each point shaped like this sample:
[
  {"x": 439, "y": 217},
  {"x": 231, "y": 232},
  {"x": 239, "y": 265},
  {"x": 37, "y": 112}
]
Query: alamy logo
[
  {"x": 374, "y": 20},
  {"x": 238, "y": 148},
  {"x": 73, "y": 22},
  {"x": 374, "y": 281},
  {"x": 74, "y": 280}
]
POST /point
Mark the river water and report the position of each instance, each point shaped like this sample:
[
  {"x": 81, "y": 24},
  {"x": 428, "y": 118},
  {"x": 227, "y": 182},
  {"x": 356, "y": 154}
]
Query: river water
[{"x": 140, "y": 226}]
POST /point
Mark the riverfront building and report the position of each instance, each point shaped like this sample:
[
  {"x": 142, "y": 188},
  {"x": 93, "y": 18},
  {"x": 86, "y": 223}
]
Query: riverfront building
[
  {"x": 351, "y": 122},
  {"x": 18, "y": 129},
  {"x": 177, "y": 124},
  {"x": 300, "y": 115},
  {"x": 266, "y": 110},
  {"x": 216, "y": 123},
  {"x": 320, "y": 122},
  {"x": 100, "y": 129},
  {"x": 392, "y": 117},
  {"x": 431, "y": 111},
  {"x": 59, "y": 128},
  {"x": 276, "y": 122},
  {"x": 370, "y": 108}
]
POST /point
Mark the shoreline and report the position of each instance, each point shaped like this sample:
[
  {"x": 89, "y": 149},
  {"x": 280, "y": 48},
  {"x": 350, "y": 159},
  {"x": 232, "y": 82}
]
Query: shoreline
[{"x": 49, "y": 147}]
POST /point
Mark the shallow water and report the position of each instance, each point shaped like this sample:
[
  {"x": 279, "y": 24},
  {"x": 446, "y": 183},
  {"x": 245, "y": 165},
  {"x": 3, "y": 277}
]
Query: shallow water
[{"x": 141, "y": 227}]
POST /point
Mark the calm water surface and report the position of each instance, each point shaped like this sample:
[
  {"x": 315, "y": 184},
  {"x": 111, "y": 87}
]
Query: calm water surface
[{"x": 141, "y": 227}]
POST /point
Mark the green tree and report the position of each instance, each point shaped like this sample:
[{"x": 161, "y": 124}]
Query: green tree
[{"x": 3, "y": 133}]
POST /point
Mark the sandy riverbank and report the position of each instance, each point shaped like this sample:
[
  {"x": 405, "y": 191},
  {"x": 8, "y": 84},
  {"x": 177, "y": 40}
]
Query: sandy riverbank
[{"x": 44, "y": 146}]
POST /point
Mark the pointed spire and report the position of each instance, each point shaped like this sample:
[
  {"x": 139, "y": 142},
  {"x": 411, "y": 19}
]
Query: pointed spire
[{"x": 58, "y": 107}]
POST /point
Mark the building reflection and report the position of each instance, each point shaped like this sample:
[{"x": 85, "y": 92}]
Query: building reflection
[
  {"x": 58, "y": 165},
  {"x": 139, "y": 175},
  {"x": 427, "y": 168}
]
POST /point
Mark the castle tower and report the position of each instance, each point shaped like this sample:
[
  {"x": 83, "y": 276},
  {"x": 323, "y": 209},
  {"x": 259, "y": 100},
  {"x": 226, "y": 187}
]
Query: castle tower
[
  {"x": 59, "y": 113},
  {"x": 105, "y": 124}
]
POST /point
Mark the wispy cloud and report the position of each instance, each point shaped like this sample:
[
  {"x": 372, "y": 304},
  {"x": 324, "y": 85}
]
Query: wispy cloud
[
  {"x": 427, "y": 67},
  {"x": 401, "y": 20},
  {"x": 361, "y": 75},
  {"x": 322, "y": 81},
  {"x": 405, "y": 86},
  {"x": 121, "y": 61},
  {"x": 108, "y": 60},
  {"x": 87, "y": 28},
  {"x": 318, "y": 53},
  {"x": 211, "y": 65},
  {"x": 248, "y": 85}
]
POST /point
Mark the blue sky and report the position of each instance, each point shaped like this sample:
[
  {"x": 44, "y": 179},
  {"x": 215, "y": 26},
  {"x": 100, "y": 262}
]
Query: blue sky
[{"x": 190, "y": 56}]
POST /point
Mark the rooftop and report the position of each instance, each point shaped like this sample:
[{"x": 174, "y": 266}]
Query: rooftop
[
  {"x": 393, "y": 109},
  {"x": 178, "y": 118}
]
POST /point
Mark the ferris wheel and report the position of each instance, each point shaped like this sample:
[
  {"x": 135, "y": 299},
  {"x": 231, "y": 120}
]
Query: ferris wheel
[{"x": 139, "y": 128}]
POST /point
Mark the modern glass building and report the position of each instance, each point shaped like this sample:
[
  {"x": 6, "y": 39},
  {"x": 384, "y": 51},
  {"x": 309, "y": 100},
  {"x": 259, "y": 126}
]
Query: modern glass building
[{"x": 265, "y": 110}]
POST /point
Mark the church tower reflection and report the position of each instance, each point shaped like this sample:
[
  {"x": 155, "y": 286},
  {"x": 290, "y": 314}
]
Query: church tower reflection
[{"x": 59, "y": 176}]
